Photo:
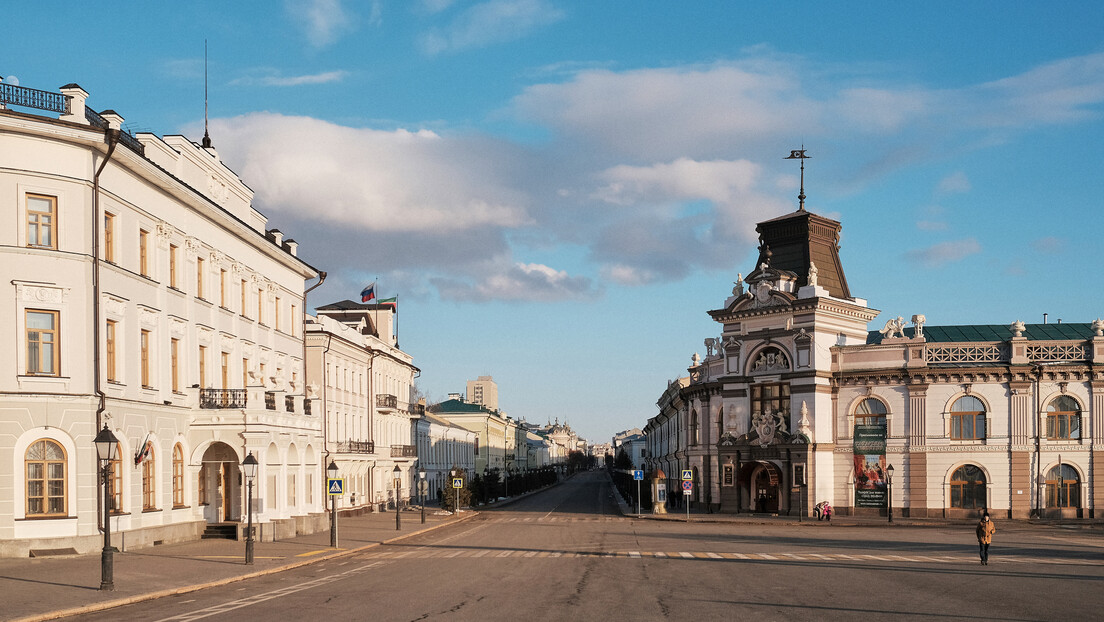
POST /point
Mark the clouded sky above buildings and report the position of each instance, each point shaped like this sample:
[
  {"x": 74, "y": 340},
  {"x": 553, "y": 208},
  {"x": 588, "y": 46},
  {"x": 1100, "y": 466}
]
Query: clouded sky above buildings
[{"x": 559, "y": 191}]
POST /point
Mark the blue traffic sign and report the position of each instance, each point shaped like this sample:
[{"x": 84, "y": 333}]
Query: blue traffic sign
[
  {"x": 335, "y": 487},
  {"x": 687, "y": 474},
  {"x": 638, "y": 475},
  {"x": 457, "y": 482}
]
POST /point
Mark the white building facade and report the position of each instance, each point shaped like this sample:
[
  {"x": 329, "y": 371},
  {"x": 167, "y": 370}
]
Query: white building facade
[{"x": 147, "y": 296}]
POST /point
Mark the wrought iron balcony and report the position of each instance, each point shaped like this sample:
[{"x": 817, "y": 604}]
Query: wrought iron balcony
[
  {"x": 356, "y": 447},
  {"x": 384, "y": 400},
  {"x": 289, "y": 403},
  {"x": 222, "y": 398},
  {"x": 404, "y": 451}
]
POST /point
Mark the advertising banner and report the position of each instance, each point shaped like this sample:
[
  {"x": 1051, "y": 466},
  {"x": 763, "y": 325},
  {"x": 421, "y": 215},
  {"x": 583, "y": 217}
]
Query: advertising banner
[{"x": 870, "y": 461}]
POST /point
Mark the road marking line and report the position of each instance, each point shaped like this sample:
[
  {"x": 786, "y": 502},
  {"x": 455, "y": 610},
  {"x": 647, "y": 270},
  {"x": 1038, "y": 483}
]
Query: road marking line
[
  {"x": 318, "y": 552},
  {"x": 634, "y": 554},
  {"x": 481, "y": 553},
  {"x": 687, "y": 555},
  {"x": 765, "y": 556},
  {"x": 504, "y": 554},
  {"x": 714, "y": 556},
  {"x": 452, "y": 554}
]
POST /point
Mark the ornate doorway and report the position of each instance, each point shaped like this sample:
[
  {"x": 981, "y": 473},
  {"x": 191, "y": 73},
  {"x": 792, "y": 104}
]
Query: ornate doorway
[{"x": 765, "y": 482}]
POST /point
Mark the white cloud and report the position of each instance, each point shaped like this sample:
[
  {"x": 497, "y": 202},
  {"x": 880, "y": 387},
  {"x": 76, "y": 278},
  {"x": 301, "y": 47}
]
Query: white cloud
[
  {"x": 325, "y": 21},
  {"x": 375, "y": 180},
  {"x": 271, "y": 78},
  {"x": 932, "y": 225},
  {"x": 517, "y": 282},
  {"x": 955, "y": 183},
  {"x": 487, "y": 23},
  {"x": 944, "y": 253},
  {"x": 1049, "y": 245}
]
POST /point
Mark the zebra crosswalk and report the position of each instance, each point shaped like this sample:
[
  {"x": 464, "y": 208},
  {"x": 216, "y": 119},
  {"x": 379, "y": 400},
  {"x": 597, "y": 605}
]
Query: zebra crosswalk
[
  {"x": 430, "y": 552},
  {"x": 551, "y": 519}
]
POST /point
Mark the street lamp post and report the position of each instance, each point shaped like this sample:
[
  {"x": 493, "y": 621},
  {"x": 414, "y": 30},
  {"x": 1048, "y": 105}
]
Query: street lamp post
[
  {"x": 249, "y": 468},
  {"x": 332, "y": 470},
  {"x": 398, "y": 519},
  {"x": 422, "y": 489},
  {"x": 107, "y": 446},
  {"x": 889, "y": 492}
]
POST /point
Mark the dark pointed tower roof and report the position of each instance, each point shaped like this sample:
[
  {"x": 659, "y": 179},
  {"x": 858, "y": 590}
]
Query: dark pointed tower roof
[{"x": 798, "y": 238}]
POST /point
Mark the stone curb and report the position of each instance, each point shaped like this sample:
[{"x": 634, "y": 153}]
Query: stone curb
[{"x": 138, "y": 598}]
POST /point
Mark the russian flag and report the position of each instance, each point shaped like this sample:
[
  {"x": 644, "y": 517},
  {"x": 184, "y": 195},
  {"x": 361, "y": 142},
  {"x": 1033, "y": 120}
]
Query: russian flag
[{"x": 368, "y": 293}]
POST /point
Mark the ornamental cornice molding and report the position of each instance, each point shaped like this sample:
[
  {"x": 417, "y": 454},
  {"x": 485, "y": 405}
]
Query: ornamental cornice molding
[
  {"x": 41, "y": 292},
  {"x": 148, "y": 316}
]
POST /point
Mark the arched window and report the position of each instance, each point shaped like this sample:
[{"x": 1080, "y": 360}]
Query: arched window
[
  {"x": 1063, "y": 487},
  {"x": 1063, "y": 419},
  {"x": 45, "y": 466},
  {"x": 178, "y": 476},
  {"x": 149, "y": 483},
  {"x": 967, "y": 419},
  {"x": 694, "y": 438},
  {"x": 968, "y": 488},
  {"x": 871, "y": 412}
]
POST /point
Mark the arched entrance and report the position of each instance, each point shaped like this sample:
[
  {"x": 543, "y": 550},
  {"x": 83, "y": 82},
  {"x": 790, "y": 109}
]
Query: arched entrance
[
  {"x": 764, "y": 482},
  {"x": 220, "y": 484}
]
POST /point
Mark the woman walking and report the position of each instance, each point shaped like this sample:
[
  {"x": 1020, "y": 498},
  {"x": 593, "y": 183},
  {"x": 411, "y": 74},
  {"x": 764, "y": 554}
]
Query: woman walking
[{"x": 985, "y": 531}]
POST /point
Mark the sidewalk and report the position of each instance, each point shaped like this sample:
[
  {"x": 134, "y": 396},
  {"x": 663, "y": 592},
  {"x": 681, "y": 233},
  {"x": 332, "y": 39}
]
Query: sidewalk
[{"x": 54, "y": 587}]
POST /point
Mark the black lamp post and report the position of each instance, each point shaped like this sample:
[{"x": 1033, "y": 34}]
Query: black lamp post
[
  {"x": 398, "y": 519},
  {"x": 107, "y": 446},
  {"x": 249, "y": 469},
  {"x": 332, "y": 470},
  {"x": 422, "y": 489},
  {"x": 889, "y": 491}
]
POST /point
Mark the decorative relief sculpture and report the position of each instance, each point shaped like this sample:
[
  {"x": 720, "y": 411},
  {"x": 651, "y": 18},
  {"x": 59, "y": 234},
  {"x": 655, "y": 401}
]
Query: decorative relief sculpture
[
  {"x": 770, "y": 359},
  {"x": 695, "y": 360},
  {"x": 739, "y": 283},
  {"x": 31, "y": 293},
  {"x": 165, "y": 233},
  {"x": 114, "y": 306},
  {"x": 812, "y": 274},
  {"x": 894, "y": 326},
  {"x": 148, "y": 316},
  {"x": 312, "y": 391},
  {"x": 1098, "y": 327},
  {"x": 764, "y": 424}
]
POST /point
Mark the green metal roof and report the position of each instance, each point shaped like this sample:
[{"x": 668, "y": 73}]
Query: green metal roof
[{"x": 996, "y": 332}]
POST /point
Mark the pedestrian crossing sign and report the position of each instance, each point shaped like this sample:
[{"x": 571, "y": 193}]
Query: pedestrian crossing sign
[
  {"x": 687, "y": 474},
  {"x": 335, "y": 487},
  {"x": 457, "y": 482}
]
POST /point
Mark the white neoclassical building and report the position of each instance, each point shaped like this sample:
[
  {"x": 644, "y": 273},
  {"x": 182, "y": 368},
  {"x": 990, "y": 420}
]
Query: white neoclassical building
[
  {"x": 143, "y": 294},
  {"x": 368, "y": 399},
  {"x": 797, "y": 402}
]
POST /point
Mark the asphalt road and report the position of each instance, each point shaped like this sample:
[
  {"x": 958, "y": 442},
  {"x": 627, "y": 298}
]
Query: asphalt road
[{"x": 566, "y": 554}]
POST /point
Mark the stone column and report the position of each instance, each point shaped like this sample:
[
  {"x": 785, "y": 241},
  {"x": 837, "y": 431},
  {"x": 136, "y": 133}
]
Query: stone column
[
  {"x": 915, "y": 484},
  {"x": 1021, "y": 429}
]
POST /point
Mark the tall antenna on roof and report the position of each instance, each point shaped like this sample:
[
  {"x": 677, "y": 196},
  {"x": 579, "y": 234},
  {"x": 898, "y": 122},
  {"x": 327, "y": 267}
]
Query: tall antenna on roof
[
  {"x": 799, "y": 154},
  {"x": 206, "y": 136}
]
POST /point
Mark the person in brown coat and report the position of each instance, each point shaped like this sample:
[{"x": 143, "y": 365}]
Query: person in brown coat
[{"x": 985, "y": 531}]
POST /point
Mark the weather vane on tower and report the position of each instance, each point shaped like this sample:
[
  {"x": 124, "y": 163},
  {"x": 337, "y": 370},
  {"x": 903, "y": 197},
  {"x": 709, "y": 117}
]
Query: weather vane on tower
[{"x": 799, "y": 154}]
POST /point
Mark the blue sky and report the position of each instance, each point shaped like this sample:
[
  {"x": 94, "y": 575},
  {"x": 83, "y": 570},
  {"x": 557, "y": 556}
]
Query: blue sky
[{"x": 558, "y": 192}]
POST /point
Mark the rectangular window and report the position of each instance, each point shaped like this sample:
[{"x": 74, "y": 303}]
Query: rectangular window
[
  {"x": 225, "y": 370},
  {"x": 41, "y": 221},
  {"x": 201, "y": 486},
  {"x": 146, "y": 359},
  {"x": 110, "y": 337},
  {"x": 199, "y": 277},
  {"x": 276, "y": 314},
  {"x": 967, "y": 426},
  {"x": 203, "y": 366},
  {"x": 245, "y": 373},
  {"x": 115, "y": 482},
  {"x": 222, "y": 289},
  {"x": 260, "y": 306},
  {"x": 174, "y": 361},
  {"x": 42, "y": 343},
  {"x": 143, "y": 252},
  {"x": 173, "y": 252},
  {"x": 178, "y": 477},
  {"x": 244, "y": 298},
  {"x": 294, "y": 319},
  {"x": 291, "y": 491},
  {"x": 1063, "y": 426},
  {"x": 149, "y": 493},
  {"x": 109, "y": 237}
]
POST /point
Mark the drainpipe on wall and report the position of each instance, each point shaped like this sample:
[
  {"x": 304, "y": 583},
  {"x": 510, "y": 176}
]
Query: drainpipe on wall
[{"x": 111, "y": 135}]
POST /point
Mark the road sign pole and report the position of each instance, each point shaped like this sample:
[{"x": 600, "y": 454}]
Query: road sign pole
[
  {"x": 638, "y": 496},
  {"x": 687, "y": 506}
]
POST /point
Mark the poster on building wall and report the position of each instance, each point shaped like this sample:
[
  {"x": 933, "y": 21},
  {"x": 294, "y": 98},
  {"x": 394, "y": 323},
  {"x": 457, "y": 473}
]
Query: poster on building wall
[{"x": 870, "y": 461}]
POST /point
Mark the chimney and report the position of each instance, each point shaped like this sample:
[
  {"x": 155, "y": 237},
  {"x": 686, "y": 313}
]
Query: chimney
[
  {"x": 276, "y": 236},
  {"x": 114, "y": 121},
  {"x": 292, "y": 247}
]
